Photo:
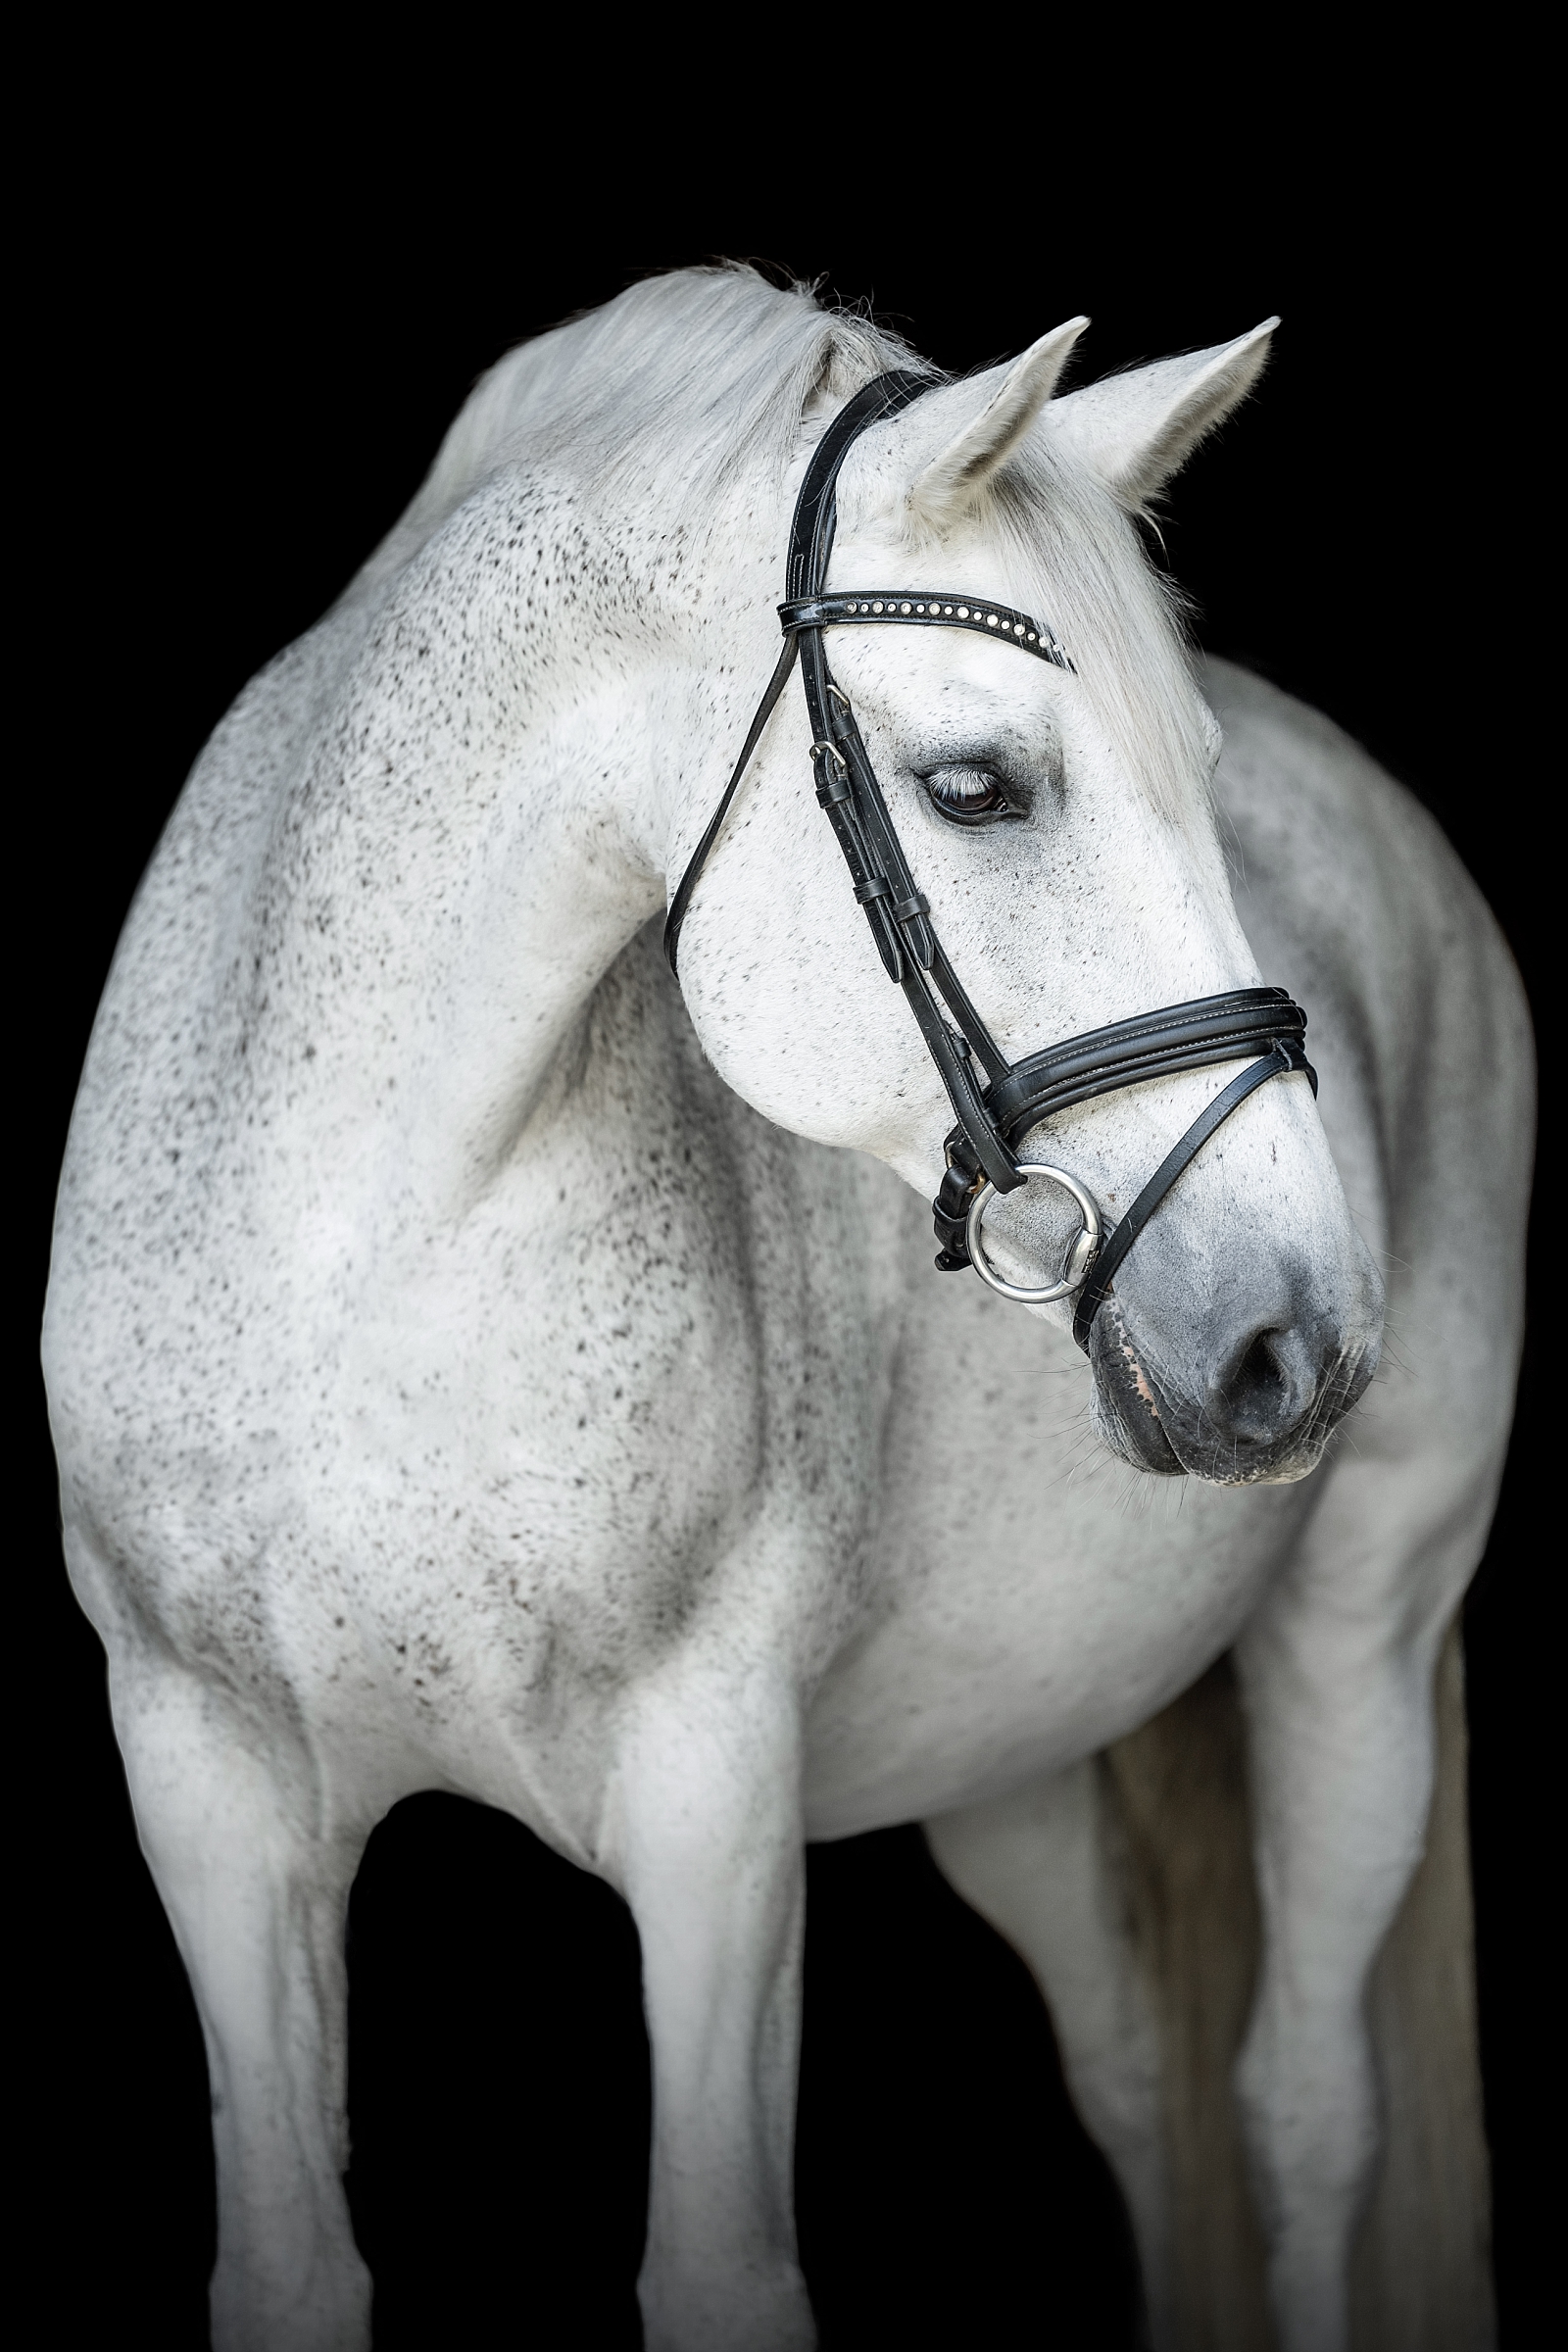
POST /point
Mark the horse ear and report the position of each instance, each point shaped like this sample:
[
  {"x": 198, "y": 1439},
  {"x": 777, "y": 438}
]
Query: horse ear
[
  {"x": 1136, "y": 431},
  {"x": 951, "y": 483}
]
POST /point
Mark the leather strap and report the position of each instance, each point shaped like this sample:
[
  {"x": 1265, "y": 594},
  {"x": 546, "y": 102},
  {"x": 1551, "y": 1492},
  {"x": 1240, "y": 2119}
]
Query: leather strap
[
  {"x": 850, "y": 792},
  {"x": 1286, "y": 1054},
  {"x": 810, "y": 545},
  {"x": 699, "y": 857},
  {"x": 1181, "y": 1036},
  {"x": 817, "y": 508}
]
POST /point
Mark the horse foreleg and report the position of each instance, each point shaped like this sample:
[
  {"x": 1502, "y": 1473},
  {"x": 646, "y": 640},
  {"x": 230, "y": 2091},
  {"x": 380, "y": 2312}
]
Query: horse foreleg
[
  {"x": 257, "y": 1898},
  {"x": 706, "y": 1831},
  {"x": 1336, "y": 1676},
  {"x": 1042, "y": 1865}
]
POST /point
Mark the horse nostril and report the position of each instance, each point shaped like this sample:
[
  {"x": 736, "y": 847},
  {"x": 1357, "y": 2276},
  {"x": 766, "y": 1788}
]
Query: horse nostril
[
  {"x": 1266, "y": 1387},
  {"x": 1259, "y": 1369}
]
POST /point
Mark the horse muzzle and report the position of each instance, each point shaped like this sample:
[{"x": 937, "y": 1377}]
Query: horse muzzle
[{"x": 1256, "y": 1401}]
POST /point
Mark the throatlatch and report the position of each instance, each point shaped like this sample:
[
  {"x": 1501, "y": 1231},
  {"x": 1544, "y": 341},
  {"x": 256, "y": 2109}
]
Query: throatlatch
[{"x": 993, "y": 1111}]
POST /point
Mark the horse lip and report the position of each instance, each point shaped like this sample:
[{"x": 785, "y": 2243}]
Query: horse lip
[
  {"x": 1132, "y": 1411},
  {"x": 1198, "y": 1452}
]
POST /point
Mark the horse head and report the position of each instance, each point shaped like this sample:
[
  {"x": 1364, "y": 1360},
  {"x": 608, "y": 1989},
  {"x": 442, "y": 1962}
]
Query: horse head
[{"x": 1060, "y": 823}]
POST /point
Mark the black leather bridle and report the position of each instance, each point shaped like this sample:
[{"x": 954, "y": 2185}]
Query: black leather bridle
[{"x": 993, "y": 1112}]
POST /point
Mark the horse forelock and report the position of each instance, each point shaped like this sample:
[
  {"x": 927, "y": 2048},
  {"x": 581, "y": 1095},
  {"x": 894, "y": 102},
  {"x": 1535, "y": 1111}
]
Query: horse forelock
[{"x": 1124, "y": 624}]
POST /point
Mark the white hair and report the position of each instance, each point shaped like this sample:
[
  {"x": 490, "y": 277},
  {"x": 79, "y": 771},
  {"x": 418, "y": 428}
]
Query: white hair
[
  {"x": 696, "y": 377},
  {"x": 701, "y": 376},
  {"x": 1123, "y": 623}
]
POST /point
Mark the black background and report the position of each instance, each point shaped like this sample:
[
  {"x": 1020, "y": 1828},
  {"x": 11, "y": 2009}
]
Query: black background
[{"x": 254, "y": 327}]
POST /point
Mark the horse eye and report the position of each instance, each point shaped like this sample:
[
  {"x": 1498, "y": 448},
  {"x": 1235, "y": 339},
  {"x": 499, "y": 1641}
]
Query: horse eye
[{"x": 970, "y": 796}]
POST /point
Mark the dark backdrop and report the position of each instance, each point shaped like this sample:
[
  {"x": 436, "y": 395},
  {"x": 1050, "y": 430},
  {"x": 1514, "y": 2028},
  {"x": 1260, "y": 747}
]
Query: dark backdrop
[{"x": 249, "y": 358}]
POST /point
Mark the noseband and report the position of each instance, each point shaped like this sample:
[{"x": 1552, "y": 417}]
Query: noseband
[{"x": 992, "y": 1112}]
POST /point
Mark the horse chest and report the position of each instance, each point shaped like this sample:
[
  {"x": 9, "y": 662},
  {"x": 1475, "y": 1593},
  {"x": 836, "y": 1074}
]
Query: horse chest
[{"x": 1027, "y": 1605}]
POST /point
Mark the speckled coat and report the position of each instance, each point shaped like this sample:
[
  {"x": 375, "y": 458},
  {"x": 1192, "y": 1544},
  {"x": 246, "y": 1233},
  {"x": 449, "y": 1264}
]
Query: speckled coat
[{"x": 477, "y": 1363}]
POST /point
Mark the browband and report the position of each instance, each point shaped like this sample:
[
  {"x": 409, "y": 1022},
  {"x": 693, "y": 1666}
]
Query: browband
[
  {"x": 993, "y": 1112},
  {"x": 947, "y": 611}
]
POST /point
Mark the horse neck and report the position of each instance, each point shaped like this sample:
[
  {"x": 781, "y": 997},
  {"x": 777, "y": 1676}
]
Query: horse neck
[{"x": 482, "y": 830}]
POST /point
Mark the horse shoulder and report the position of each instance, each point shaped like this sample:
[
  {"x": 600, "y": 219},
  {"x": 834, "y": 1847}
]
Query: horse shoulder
[{"x": 171, "y": 995}]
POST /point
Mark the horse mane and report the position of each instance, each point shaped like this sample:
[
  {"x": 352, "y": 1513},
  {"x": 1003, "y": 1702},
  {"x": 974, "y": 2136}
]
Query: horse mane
[
  {"x": 697, "y": 375},
  {"x": 701, "y": 376}
]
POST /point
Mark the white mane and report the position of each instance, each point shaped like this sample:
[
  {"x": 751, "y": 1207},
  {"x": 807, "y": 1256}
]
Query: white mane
[
  {"x": 698, "y": 377},
  {"x": 701, "y": 376}
]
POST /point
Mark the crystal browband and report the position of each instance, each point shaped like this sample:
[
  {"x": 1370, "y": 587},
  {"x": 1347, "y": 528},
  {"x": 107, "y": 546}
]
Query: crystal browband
[{"x": 943, "y": 611}]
